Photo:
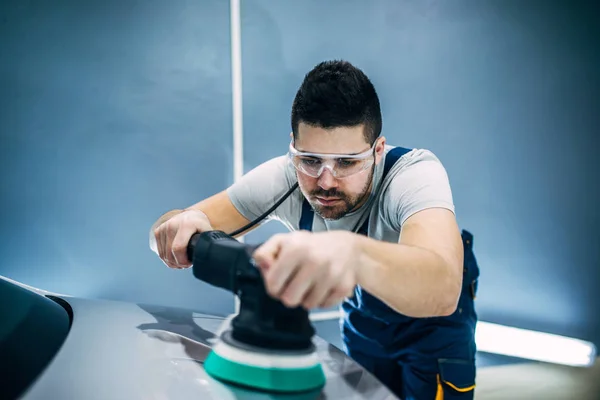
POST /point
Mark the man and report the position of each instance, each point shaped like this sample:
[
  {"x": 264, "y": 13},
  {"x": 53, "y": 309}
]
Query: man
[{"x": 373, "y": 229}]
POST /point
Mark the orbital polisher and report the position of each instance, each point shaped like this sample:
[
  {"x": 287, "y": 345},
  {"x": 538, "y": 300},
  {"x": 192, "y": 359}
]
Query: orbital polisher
[{"x": 267, "y": 346}]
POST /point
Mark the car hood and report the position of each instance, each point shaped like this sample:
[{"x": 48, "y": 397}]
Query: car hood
[{"x": 118, "y": 350}]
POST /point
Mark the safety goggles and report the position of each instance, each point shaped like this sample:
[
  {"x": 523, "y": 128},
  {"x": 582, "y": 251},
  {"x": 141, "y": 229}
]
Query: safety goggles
[{"x": 340, "y": 165}]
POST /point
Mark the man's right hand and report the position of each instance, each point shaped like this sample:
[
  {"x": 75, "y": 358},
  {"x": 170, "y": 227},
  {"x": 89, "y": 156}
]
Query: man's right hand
[{"x": 173, "y": 236}]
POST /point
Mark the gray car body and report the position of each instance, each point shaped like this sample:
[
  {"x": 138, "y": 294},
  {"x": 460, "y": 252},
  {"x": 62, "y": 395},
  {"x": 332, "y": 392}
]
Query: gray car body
[{"x": 119, "y": 350}]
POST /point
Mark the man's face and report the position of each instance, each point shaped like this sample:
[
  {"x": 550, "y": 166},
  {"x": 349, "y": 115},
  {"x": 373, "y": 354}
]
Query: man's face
[{"x": 332, "y": 197}]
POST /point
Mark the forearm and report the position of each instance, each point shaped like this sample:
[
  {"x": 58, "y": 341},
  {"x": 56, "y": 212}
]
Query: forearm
[{"x": 414, "y": 281}]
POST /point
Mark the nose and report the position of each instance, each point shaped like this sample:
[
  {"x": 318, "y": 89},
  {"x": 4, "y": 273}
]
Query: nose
[{"x": 326, "y": 180}]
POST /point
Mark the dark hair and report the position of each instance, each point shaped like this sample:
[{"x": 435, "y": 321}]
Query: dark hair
[{"x": 336, "y": 94}]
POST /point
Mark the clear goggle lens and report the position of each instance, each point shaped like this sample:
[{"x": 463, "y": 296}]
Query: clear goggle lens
[{"x": 340, "y": 165}]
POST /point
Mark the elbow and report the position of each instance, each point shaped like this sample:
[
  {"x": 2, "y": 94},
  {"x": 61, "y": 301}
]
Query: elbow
[
  {"x": 444, "y": 307},
  {"x": 440, "y": 308},
  {"x": 448, "y": 293},
  {"x": 443, "y": 304},
  {"x": 439, "y": 297},
  {"x": 447, "y": 309},
  {"x": 449, "y": 297}
]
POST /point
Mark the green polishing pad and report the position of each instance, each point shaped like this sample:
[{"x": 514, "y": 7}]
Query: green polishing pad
[{"x": 267, "y": 372}]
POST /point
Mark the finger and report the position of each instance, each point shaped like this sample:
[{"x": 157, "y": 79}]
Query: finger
[
  {"x": 300, "y": 284},
  {"x": 171, "y": 232},
  {"x": 279, "y": 275},
  {"x": 173, "y": 266},
  {"x": 162, "y": 243},
  {"x": 152, "y": 241},
  {"x": 318, "y": 294},
  {"x": 266, "y": 254},
  {"x": 159, "y": 245},
  {"x": 180, "y": 245},
  {"x": 289, "y": 260},
  {"x": 282, "y": 269},
  {"x": 164, "y": 247},
  {"x": 332, "y": 299},
  {"x": 338, "y": 294}
]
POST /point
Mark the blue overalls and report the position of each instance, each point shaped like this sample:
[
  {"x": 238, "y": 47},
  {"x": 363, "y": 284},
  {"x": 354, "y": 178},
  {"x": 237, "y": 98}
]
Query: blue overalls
[{"x": 417, "y": 358}]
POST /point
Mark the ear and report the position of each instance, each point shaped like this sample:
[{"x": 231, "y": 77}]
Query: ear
[{"x": 379, "y": 149}]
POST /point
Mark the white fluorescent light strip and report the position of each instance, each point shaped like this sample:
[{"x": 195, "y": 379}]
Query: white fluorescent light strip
[
  {"x": 540, "y": 346},
  {"x": 520, "y": 343},
  {"x": 236, "y": 99}
]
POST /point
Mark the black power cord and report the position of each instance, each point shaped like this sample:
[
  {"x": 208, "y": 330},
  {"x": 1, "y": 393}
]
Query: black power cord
[{"x": 266, "y": 213}]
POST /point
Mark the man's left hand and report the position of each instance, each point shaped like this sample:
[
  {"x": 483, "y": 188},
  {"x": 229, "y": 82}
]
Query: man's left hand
[{"x": 315, "y": 270}]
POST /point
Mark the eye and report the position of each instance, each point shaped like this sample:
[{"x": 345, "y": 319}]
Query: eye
[
  {"x": 310, "y": 161},
  {"x": 345, "y": 162}
]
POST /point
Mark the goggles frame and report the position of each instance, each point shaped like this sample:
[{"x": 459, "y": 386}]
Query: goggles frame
[{"x": 370, "y": 153}]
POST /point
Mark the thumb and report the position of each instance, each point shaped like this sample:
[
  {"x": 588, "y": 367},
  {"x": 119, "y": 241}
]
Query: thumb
[{"x": 266, "y": 254}]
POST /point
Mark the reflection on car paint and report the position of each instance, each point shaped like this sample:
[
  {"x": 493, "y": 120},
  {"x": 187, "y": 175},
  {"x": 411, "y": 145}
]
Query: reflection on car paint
[{"x": 343, "y": 375}]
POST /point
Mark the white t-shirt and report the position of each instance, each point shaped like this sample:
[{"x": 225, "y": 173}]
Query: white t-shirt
[{"x": 417, "y": 181}]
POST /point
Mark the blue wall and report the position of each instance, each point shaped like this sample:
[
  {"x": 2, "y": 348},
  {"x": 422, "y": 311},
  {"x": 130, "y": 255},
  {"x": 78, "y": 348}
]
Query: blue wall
[
  {"x": 113, "y": 112},
  {"x": 506, "y": 93}
]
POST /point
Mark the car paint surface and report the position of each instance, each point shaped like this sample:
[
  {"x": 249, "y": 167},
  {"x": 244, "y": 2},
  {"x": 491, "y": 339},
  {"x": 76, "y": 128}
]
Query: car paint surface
[{"x": 120, "y": 350}]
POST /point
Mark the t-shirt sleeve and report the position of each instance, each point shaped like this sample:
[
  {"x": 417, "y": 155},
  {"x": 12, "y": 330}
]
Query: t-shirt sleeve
[
  {"x": 258, "y": 189},
  {"x": 418, "y": 182}
]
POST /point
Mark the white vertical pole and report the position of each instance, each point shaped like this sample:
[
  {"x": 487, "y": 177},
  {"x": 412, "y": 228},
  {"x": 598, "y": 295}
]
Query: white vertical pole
[{"x": 236, "y": 86}]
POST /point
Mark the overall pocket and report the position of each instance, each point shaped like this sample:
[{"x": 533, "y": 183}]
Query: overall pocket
[{"x": 456, "y": 379}]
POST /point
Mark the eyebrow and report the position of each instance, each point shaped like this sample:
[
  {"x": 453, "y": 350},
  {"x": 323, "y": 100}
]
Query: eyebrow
[
  {"x": 360, "y": 152},
  {"x": 335, "y": 154}
]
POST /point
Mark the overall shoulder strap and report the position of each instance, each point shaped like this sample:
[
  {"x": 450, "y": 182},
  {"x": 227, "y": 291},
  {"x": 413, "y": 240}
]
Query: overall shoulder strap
[
  {"x": 306, "y": 218},
  {"x": 390, "y": 159}
]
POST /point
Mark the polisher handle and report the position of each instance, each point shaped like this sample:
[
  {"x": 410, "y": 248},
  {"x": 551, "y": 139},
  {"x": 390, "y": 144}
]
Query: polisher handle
[
  {"x": 192, "y": 246},
  {"x": 220, "y": 260},
  {"x": 191, "y": 249}
]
